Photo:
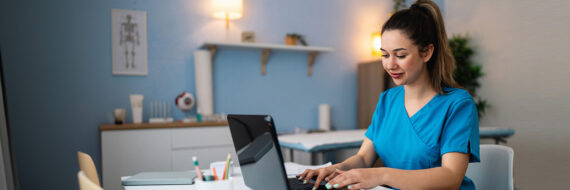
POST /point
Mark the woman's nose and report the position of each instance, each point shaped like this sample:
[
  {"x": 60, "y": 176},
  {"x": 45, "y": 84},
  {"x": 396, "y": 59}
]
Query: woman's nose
[{"x": 389, "y": 63}]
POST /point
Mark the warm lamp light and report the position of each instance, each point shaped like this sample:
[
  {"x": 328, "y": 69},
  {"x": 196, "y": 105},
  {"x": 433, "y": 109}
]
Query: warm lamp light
[
  {"x": 228, "y": 9},
  {"x": 376, "y": 44}
]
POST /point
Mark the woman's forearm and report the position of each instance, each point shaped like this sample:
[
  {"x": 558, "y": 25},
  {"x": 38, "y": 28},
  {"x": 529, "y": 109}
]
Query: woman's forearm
[
  {"x": 356, "y": 161},
  {"x": 448, "y": 176},
  {"x": 433, "y": 178},
  {"x": 365, "y": 157}
]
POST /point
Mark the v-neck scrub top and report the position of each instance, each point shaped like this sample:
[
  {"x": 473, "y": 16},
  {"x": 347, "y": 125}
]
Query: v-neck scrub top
[{"x": 447, "y": 123}]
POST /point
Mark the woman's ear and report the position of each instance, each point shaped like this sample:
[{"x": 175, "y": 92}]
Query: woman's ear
[{"x": 427, "y": 52}]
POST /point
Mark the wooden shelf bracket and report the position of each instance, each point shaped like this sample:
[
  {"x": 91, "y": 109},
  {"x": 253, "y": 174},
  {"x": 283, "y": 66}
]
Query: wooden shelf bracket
[
  {"x": 264, "y": 56},
  {"x": 267, "y": 49},
  {"x": 312, "y": 57},
  {"x": 212, "y": 49}
]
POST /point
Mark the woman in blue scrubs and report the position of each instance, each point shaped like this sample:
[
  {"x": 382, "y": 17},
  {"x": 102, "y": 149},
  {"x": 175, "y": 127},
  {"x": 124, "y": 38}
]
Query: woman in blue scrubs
[{"x": 425, "y": 131}]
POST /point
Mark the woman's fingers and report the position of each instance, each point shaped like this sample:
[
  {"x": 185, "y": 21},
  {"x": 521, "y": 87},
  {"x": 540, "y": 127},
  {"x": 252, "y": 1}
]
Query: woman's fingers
[
  {"x": 302, "y": 175},
  {"x": 333, "y": 174},
  {"x": 310, "y": 175},
  {"x": 330, "y": 176},
  {"x": 356, "y": 186},
  {"x": 320, "y": 178},
  {"x": 342, "y": 180}
]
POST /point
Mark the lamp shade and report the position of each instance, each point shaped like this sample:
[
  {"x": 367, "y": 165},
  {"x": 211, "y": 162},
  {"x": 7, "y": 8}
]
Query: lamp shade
[{"x": 227, "y": 9}]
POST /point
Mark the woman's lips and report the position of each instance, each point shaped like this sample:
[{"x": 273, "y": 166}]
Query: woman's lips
[{"x": 396, "y": 75}]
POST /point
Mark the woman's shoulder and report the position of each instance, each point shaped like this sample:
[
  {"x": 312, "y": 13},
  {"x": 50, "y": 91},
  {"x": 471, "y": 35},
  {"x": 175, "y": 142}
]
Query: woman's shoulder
[
  {"x": 394, "y": 90},
  {"x": 457, "y": 95},
  {"x": 392, "y": 93}
]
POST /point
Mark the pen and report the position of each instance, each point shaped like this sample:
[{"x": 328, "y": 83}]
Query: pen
[
  {"x": 226, "y": 168},
  {"x": 197, "y": 168},
  {"x": 214, "y": 173}
]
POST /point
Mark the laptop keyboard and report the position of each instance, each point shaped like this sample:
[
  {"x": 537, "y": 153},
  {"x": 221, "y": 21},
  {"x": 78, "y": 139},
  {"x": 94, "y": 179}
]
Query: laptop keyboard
[{"x": 295, "y": 184}]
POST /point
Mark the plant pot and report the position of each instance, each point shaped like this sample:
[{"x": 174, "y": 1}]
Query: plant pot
[{"x": 291, "y": 40}]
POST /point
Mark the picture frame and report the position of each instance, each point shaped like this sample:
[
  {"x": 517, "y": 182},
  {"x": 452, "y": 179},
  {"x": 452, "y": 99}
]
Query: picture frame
[{"x": 129, "y": 42}]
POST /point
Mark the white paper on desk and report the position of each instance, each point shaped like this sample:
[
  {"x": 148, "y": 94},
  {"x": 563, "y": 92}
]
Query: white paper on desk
[{"x": 294, "y": 169}]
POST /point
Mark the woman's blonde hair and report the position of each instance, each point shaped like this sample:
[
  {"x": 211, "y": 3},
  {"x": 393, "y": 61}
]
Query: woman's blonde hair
[{"x": 423, "y": 24}]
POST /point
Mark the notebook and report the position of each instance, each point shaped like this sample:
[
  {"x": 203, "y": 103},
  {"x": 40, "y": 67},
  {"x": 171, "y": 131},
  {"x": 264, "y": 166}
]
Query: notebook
[{"x": 160, "y": 178}]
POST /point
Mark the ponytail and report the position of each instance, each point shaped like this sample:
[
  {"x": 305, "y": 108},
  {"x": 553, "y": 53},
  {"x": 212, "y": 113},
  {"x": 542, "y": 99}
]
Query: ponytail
[{"x": 423, "y": 24}]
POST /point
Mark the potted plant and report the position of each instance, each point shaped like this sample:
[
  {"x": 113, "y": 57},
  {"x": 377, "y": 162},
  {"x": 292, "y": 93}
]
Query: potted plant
[
  {"x": 399, "y": 4},
  {"x": 292, "y": 38},
  {"x": 467, "y": 72}
]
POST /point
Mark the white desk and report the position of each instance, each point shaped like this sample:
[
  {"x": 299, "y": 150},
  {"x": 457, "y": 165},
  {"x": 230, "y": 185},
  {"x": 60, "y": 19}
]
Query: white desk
[
  {"x": 237, "y": 179},
  {"x": 323, "y": 142},
  {"x": 238, "y": 184}
]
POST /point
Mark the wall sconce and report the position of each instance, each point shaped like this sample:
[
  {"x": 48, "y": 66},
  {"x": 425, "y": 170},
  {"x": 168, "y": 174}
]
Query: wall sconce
[
  {"x": 376, "y": 44},
  {"x": 228, "y": 9}
]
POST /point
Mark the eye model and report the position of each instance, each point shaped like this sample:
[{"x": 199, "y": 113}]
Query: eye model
[{"x": 185, "y": 101}]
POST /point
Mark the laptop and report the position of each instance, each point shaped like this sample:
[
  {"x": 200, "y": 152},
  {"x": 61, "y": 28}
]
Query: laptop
[{"x": 259, "y": 154}]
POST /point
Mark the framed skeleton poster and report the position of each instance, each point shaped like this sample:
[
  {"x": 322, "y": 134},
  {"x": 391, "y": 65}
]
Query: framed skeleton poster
[{"x": 129, "y": 42}]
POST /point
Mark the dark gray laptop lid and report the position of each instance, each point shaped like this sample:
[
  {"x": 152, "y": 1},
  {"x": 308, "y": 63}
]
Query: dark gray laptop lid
[{"x": 258, "y": 150}]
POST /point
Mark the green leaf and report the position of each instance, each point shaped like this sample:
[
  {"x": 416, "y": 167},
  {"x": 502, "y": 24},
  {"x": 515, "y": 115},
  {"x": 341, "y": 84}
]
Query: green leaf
[{"x": 467, "y": 73}]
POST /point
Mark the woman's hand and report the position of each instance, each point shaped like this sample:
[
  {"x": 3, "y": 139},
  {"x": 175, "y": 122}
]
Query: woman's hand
[
  {"x": 362, "y": 178},
  {"x": 326, "y": 173}
]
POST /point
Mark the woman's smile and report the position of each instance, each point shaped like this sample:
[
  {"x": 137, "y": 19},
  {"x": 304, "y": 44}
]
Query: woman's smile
[{"x": 396, "y": 75}]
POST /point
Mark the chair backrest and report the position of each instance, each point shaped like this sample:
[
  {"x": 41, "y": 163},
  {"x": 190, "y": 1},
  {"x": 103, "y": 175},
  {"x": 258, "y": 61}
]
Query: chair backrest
[
  {"x": 495, "y": 171},
  {"x": 86, "y": 165},
  {"x": 85, "y": 183}
]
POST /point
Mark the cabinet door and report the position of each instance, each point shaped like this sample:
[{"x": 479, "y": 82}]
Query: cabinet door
[
  {"x": 127, "y": 152},
  {"x": 209, "y": 144},
  {"x": 182, "y": 158}
]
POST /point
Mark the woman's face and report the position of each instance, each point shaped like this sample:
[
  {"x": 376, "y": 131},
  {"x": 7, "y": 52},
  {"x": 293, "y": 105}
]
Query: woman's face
[{"x": 402, "y": 59}]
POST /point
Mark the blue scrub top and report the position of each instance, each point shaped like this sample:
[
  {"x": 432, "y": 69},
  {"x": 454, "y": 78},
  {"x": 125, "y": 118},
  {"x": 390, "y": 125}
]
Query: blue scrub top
[{"x": 447, "y": 123}]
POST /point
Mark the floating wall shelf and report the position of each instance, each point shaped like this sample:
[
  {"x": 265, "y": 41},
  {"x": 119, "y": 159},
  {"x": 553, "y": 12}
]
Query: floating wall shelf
[{"x": 266, "y": 50}]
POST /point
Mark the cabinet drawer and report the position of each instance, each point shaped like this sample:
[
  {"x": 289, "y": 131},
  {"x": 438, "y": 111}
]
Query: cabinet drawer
[{"x": 200, "y": 137}]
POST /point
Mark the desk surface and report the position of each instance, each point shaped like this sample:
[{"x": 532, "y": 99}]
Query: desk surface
[
  {"x": 492, "y": 132},
  {"x": 323, "y": 141},
  {"x": 343, "y": 139},
  {"x": 237, "y": 184},
  {"x": 131, "y": 126}
]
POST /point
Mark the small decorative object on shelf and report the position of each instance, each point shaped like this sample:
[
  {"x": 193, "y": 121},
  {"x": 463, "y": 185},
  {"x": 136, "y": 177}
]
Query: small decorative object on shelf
[
  {"x": 119, "y": 115},
  {"x": 137, "y": 107},
  {"x": 292, "y": 38},
  {"x": 248, "y": 36},
  {"x": 160, "y": 112},
  {"x": 184, "y": 101}
]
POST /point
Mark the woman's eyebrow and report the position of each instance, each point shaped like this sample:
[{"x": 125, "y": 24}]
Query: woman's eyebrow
[
  {"x": 399, "y": 49},
  {"x": 395, "y": 50}
]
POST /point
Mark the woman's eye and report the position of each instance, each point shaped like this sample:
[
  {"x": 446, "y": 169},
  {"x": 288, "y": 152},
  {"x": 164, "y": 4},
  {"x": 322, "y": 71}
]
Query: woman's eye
[
  {"x": 400, "y": 56},
  {"x": 384, "y": 56}
]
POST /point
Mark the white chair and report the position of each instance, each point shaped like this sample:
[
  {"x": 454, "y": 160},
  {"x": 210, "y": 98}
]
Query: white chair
[
  {"x": 495, "y": 171},
  {"x": 85, "y": 183}
]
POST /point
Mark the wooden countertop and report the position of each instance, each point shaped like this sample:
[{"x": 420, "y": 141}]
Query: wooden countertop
[{"x": 129, "y": 126}]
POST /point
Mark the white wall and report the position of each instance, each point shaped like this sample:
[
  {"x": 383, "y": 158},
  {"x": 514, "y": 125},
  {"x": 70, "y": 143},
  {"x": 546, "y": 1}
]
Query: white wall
[{"x": 523, "y": 47}]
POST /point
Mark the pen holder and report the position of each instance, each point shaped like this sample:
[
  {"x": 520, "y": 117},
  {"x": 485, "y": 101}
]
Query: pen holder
[
  {"x": 215, "y": 185},
  {"x": 219, "y": 167}
]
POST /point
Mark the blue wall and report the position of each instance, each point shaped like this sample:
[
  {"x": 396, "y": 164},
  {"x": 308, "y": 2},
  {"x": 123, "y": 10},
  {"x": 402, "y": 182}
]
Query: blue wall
[{"x": 59, "y": 87}]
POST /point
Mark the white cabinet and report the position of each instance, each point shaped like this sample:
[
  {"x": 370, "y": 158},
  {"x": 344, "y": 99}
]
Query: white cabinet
[{"x": 129, "y": 151}]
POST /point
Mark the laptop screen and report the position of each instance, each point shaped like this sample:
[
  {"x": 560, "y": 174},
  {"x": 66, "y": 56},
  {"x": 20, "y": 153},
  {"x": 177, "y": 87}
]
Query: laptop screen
[{"x": 258, "y": 151}]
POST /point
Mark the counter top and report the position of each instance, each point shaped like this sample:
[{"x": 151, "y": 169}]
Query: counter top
[{"x": 129, "y": 126}]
